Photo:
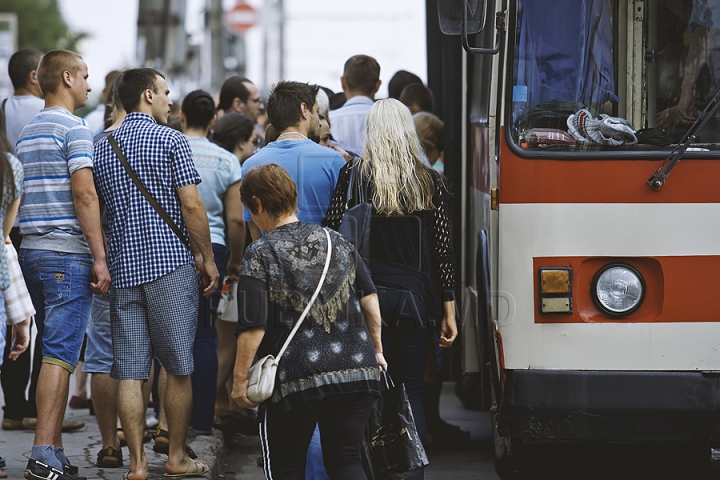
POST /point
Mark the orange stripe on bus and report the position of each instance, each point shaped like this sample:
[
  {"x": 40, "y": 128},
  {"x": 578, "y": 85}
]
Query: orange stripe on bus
[
  {"x": 536, "y": 180},
  {"x": 677, "y": 289}
]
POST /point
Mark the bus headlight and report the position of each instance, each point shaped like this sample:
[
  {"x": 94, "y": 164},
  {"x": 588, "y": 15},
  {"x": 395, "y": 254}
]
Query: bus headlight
[{"x": 618, "y": 289}]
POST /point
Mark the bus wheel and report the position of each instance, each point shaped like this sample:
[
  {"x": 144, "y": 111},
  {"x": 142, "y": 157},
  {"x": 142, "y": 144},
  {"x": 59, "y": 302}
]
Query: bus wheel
[{"x": 510, "y": 457}]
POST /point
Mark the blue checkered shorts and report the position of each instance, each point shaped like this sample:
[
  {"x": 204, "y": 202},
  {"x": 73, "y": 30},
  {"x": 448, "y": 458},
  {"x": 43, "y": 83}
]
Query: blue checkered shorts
[{"x": 160, "y": 318}]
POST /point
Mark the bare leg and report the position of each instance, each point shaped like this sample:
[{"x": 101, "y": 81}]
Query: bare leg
[
  {"x": 80, "y": 382},
  {"x": 162, "y": 384},
  {"x": 132, "y": 416},
  {"x": 227, "y": 346},
  {"x": 178, "y": 405},
  {"x": 105, "y": 394},
  {"x": 52, "y": 395}
]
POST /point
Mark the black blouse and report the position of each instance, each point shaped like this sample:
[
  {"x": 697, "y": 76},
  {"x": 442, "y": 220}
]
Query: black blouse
[
  {"x": 419, "y": 240},
  {"x": 332, "y": 351}
]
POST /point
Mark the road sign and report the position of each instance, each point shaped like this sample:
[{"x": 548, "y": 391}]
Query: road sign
[{"x": 241, "y": 18}]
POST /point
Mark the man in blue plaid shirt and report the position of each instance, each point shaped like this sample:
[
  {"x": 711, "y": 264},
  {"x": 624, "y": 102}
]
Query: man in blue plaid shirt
[{"x": 153, "y": 299}]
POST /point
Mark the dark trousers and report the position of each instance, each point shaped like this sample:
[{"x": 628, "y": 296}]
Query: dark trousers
[
  {"x": 405, "y": 346},
  {"x": 204, "y": 377},
  {"x": 14, "y": 379},
  {"x": 342, "y": 419}
]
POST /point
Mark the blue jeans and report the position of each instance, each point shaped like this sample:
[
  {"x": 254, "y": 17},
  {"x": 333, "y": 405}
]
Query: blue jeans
[
  {"x": 204, "y": 378},
  {"x": 59, "y": 286},
  {"x": 99, "y": 349}
]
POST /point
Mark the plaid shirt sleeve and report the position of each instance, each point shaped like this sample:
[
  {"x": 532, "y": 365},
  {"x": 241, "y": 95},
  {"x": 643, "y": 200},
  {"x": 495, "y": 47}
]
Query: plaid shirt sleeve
[{"x": 183, "y": 165}]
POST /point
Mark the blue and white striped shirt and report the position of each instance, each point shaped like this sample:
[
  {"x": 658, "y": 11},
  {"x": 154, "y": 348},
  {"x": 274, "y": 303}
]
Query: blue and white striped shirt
[
  {"x": 141, "y": 246},
  {"x": 53, "y": 146}
]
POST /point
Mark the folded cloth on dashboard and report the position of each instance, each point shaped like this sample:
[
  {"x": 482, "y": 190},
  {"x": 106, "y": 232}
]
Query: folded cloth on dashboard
[{"x": 603, "y": 130}]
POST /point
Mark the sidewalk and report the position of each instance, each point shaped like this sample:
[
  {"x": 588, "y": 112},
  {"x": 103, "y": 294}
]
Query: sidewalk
[{"x": 82, "y": 446}]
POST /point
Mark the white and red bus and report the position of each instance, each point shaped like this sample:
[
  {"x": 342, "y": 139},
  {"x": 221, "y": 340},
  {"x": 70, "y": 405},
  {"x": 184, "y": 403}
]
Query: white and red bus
[{"x": 590, "y": 299}]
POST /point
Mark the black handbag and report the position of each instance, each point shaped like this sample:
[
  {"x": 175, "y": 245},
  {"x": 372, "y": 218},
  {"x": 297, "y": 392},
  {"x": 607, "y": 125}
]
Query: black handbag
[
  {"x": 355, "y": 224},
  {"x": 392, "y": 445}
]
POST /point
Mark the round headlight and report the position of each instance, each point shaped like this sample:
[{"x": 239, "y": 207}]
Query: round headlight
[{"x": 618, "y": 289}]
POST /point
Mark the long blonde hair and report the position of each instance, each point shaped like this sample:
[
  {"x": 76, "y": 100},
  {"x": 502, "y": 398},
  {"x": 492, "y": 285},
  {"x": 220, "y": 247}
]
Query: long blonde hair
[{"x": 392, "y": 160}]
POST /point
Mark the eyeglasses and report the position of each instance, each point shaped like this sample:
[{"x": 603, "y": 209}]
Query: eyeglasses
[{"x": 256, "y": 141}]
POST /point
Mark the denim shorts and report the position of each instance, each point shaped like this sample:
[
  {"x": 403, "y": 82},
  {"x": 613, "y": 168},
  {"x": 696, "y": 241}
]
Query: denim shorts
[
  {"x": 98, "y": 352},
  {"x": 158, "y": 317},
  {"x": 59, "y": 285}
]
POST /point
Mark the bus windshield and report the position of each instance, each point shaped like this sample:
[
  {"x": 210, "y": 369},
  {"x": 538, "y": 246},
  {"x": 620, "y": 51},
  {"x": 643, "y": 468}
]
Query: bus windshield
[{"x": 613, "y": 74}]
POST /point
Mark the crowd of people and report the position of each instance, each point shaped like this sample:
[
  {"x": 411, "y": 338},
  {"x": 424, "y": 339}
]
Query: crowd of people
[{"x": 129, "y": 221}]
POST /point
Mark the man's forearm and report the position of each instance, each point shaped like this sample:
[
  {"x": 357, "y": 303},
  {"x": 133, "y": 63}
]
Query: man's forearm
[
  {"x": 87, "y": 209},
  {"x": 198, "y": 229}
]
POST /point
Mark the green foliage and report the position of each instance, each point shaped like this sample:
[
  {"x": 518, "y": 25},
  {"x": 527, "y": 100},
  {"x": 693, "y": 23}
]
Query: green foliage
[{"x": 41, "y": 26}]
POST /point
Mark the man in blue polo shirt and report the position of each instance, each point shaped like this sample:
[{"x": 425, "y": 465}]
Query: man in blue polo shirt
[
  {"x": 293, "y": 111},
  {"x": 62, "y": 253}
]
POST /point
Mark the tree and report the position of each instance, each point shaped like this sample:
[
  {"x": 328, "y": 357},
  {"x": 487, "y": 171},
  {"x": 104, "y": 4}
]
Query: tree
[{"x": 41, "y": 26}]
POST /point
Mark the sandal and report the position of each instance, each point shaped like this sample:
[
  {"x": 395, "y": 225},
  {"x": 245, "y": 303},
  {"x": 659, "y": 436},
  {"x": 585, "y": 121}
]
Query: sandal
[
  {"x": 164, "y": 447},
  {"x": 109, "y": 458},
  {"x": 121, "y": 436},
  {"x": 195, "y": 469}
]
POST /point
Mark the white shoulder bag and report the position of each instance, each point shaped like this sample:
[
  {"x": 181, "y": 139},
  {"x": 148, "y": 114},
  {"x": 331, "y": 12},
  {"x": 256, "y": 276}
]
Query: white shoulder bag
[{"x": 261, "y": 378}]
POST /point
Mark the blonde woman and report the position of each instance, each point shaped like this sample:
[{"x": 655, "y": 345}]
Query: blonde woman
[{"x": 411, "y": 258}]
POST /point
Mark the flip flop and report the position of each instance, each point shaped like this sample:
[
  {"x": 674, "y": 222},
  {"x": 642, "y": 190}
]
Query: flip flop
[{"x": 198, "y": 468}]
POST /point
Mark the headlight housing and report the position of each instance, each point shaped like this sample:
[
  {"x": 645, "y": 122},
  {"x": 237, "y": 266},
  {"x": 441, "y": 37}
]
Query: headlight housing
[{"x": 618, "y": 289}]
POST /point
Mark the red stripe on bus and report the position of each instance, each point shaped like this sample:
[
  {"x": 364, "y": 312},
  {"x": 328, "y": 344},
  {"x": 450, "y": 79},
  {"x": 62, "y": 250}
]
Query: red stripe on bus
[
  {"x": 536, "y": 180},
  {"x": 677, "y": 289}
]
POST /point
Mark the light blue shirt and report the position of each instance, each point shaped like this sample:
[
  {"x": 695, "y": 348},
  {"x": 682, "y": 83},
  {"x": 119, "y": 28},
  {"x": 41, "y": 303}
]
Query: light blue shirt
[
  {"x": 348, "y": 124},
  {"x": 313, "y": 168},
  {"x": 218, "y": 169}
]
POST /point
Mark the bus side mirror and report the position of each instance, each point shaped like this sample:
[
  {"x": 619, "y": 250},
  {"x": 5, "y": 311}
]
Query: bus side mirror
[
  {"x": 451, "y": 16},
  {"x": 469, "y": 17}
]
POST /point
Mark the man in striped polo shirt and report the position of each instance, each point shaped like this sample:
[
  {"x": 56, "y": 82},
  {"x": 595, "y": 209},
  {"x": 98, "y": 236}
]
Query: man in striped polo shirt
[{"x": 62, "y": 253}]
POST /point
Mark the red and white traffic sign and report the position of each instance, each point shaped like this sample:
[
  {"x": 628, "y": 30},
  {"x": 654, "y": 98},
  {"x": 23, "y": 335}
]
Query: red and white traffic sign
[{"x": 241, "y": 18}]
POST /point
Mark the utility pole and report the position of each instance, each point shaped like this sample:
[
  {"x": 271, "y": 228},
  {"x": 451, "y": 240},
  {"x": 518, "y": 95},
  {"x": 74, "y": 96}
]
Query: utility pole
[
  {"x": 218, "y": 39},
  {"x": 273, "y": 23}
]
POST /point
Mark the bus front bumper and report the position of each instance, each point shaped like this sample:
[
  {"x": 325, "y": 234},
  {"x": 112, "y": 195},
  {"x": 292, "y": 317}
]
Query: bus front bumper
[{"x": 611, "y": 406}]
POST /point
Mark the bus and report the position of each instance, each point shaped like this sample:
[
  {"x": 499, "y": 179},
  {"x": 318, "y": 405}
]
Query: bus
[{"x": 582, "y": 145}]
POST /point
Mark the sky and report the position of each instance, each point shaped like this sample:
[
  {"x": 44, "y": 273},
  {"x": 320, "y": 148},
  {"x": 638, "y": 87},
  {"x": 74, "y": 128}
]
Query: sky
[{"x": 320, "y": 36}]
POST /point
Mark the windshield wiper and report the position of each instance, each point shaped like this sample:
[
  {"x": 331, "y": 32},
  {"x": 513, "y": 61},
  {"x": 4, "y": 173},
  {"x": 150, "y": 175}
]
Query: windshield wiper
[{"x": 657, "y": 181}]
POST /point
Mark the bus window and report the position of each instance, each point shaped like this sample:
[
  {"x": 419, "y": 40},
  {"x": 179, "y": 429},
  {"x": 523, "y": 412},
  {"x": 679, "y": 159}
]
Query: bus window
[{"x": 613, "y": 74}]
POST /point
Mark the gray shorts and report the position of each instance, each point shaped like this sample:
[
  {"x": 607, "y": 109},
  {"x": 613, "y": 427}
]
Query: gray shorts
[{"x": 156, "y": 318}]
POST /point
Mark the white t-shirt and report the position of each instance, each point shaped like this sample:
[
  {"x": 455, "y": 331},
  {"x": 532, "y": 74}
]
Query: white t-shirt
[{"x": 19, "y": 110}]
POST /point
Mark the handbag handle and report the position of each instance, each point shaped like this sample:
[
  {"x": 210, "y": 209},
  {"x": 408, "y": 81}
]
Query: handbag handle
[
  {"x": 148, "y": 196},
  {"x": 312, "y": 299}
]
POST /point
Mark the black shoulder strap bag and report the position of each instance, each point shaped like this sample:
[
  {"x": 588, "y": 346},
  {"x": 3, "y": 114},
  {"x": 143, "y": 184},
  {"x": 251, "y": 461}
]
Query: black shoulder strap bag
[
  {"x": 148, "y": 196},
  {"x": 355, "y": 224}
]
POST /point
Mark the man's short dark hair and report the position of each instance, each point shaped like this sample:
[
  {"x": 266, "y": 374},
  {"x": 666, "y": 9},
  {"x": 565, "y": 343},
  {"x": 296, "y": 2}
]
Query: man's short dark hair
[
  {"x": 134, "y": 82},
  {"x": 419, "y": 96},
  {"x": 21, "y": 64},
  {"x": 283, "y": 106},
  {"x": 361, "y": 74},
  {"x": 199, "y": 109},
  {"x": 399, "y": 81},
  {"x": 234, "y": 87},
  {"x": 51, "y": 67}
]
